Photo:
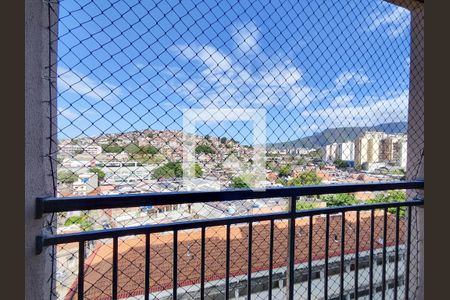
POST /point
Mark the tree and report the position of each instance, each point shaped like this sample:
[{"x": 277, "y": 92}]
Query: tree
[
  {"x": 238, "y": 183},
  {"x": 316, "y": 154},
  {"x": 150, "y": 135},
  {"x": 301, "y": 161},
  {"x": 204, "y": 149},
  {"x": 82, "y": 220},
  {"x": 305, "y": 178},
  {"x": 285, "y": 171},
  {"x": 169, "y": 170},
  {"x": 198, "y": 170},
  {"x": 67, "y": 176},
  {"x": 99, "y": 172},
  {"x": 152, "y": 150},
  {"x": 112, "y": 148},
  {"x": 340, "y": 164},
  {"x": 391, "y": 196},
  {"x": 281, "y": 181},
  {"x": 133, "y": 149},
  {"x": 340, "y": 199},
  {"x": 302, "y": 205},
  {"x": 223, "y": 140}
]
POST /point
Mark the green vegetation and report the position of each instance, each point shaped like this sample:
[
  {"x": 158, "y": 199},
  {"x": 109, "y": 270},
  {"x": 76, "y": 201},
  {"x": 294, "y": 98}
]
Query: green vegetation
[
  {"x": 340, "y": 164},
  {"x": 169, "y": 170},
  {"x": 282, "y": 181},
  {"x": 99, "y": 172},
  {"x": 83, "y": 221},
  {"x": 204, "y": 149},
  {"x": 112, "y": 148},
  {"x": 67, "y": 176},
  {"x": 302, "y": 205},
  {"x": 389, "y": 197},
  {"x": 285, "y": 171},
  {"x": 339, "y": 199},
  {"x": 132, "y": 149},
  {"x": 152, "y": 150},
  {"x": 198, "y": 170},
  {"x": 393, "y": 172},
  {"x": 305, "y": 178},
  {"x": 238, "y": 183},
  {"x": 316, "y": 154},
  {"x": 302, "y": 161}
]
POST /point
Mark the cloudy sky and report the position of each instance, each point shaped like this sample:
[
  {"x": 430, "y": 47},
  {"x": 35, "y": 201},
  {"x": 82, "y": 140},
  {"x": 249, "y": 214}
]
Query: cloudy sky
[{"x": 311, "y": 65}]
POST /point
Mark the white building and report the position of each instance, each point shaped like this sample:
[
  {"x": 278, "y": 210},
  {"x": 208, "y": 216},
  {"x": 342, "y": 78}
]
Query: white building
[
  {"x": 71, "y": 150},
  {"x": 343, "y": 151},
  {"x": 85, "y": 184},
  {"x": 346, "y": 151},
  {"x": 375, "y": 149},
  {"x": 367, "y": 148},
  {"x": 330, "y": 152}
]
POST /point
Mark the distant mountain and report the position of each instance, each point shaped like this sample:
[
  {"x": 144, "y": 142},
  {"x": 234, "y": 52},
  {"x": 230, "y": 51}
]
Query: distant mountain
[{"x": 338, "y": 135}]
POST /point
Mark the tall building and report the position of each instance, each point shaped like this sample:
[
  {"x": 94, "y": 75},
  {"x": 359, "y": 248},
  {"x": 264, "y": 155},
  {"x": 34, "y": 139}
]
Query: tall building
[
  {"x": 330, "y": 152},
  {"x": 346, "y": 151},
  {"x": 379, "y": 147},
  {"x": 367, "y": 147},
  {"x": 400, "y": 153}
]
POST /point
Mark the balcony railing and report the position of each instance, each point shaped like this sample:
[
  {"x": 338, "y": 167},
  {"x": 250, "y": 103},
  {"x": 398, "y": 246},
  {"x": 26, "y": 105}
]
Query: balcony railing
[{"x": 280, "y": 255}]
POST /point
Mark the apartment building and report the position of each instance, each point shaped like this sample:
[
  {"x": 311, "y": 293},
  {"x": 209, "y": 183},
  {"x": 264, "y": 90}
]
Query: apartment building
[
  {"x": 378, "y": 148},
  {"x": 85, "y": 184},
  {"x": 70, "y": 149},
  {"x": 343, "y": 151}
]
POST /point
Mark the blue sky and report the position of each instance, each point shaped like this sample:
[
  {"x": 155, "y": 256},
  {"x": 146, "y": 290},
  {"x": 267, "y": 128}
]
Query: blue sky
[{"x": 133, "y": 65}]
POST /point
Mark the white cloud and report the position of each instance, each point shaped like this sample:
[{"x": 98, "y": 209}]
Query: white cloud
[
  {"x": 281, "y": 76},
  {"x": 346, "y": 77},
  {"x": 214, "y": 61},
  {"x": 395, "y": 21},
  {"x": 226, "y": 83},
  {"x": 246, "y": 37},
  {"x": 375, "y": 112},
  {"x": 68, "y": 113},
  {"x": 342, "y": 100},
  {"x": 86, "y": 86}
]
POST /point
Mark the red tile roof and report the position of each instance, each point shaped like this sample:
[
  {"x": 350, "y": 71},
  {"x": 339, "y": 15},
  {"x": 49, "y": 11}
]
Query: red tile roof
[{"x": 98, "y": 273}]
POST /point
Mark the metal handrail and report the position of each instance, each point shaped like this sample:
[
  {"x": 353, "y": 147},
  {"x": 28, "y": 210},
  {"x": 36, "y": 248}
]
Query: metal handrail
[{"x": 55, "y": 204}]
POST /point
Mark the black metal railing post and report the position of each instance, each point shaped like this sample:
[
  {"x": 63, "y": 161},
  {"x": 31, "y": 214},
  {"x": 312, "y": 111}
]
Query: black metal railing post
[
  {"x": 249, "y": 261},
  {"x": 115, "y": 267},
  {"x": 310, "y": 253},
  {"x": 81, "y": 253},
  {"x": 342, "y": 261},
  {"x": 175, "y": 265},
  {"x": 202, "y": 266},
  {"x": 271, "y": 259},
  {"x": 147, "y": 267},
  {"x": 291, "y": 249},
  {"x": 383, "y": 269},
  {"x": 357, "y": 254},
  {"x": 227, "y": 267},
  {"x": 327, "y": 242},
  {"x": 372, "y": 232}
]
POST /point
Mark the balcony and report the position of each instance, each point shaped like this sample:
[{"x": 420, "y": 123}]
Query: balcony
[
  {"x": 348, "y": 252},
  {"x": 115, "y": 88}
]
